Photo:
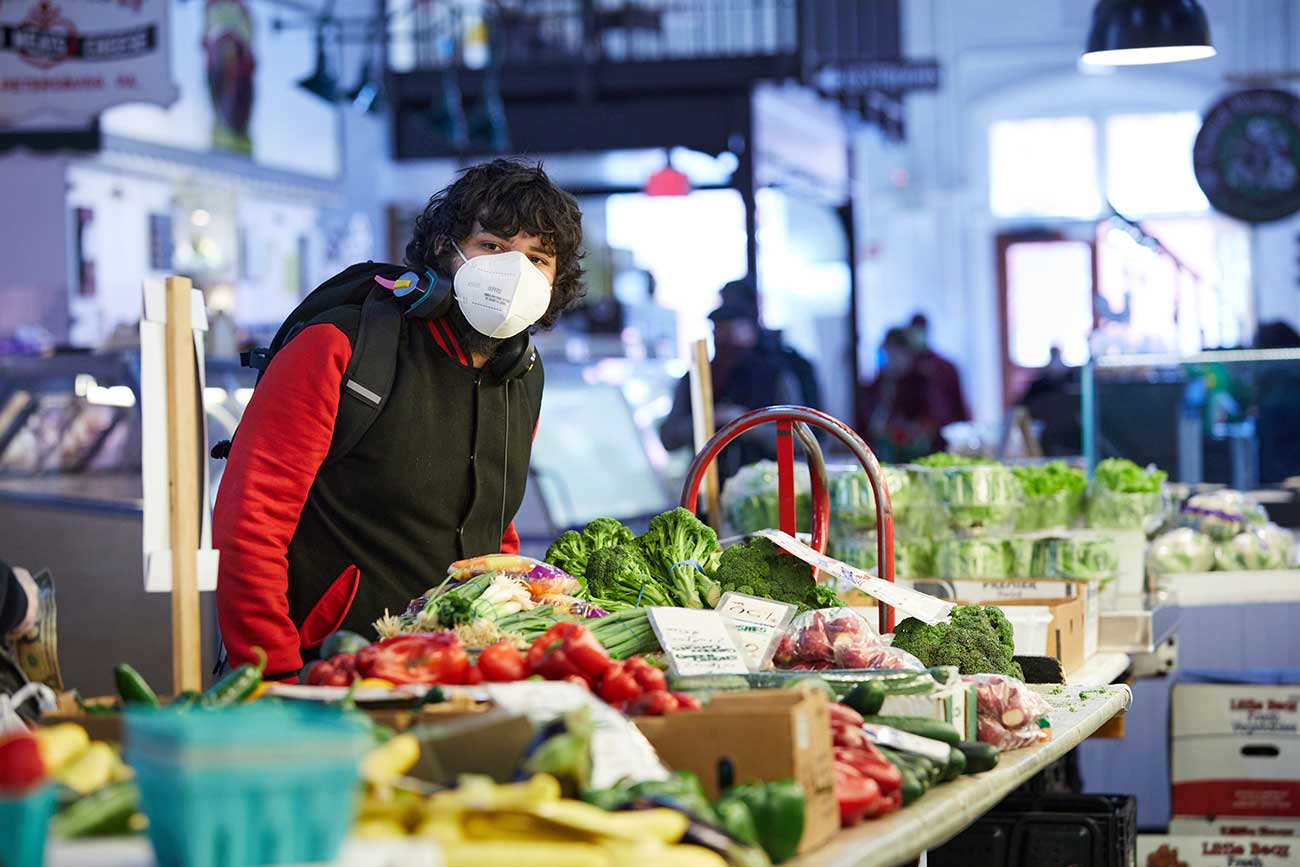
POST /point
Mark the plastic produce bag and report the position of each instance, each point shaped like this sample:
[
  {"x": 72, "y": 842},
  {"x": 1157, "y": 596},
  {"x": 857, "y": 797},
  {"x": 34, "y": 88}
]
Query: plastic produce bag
[
  {"x": 1123, "y": 496},
  {"x": 1053, "y": 496},
  {"x": 751, "y": 499},
  {"x": 1081, "y": 558},
  {"x": 970, "y": 558},
  {"x": 1008, "y": 712},
  {"x": 855, "y": 548},
  {"x": 1020, "y": 557},
  {"x": 914, "y": 559},
  {"x": 838, "y": 638},
  {"x": 1180, "y": 551},
  {"x": 1281, "y": 542},
  {"x": 977, "y": 497},
  {"x": 542, "y": 579},
  {"x": 1251, "y": 551},
  {"x": 853, "y": 506},
  {"x": 1223, "y": 514}
]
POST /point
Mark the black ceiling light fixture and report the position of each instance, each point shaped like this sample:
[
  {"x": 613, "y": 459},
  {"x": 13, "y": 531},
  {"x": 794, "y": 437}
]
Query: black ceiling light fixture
[
  {"x": 367, "y": 96},
  {"x": 1138, "y": 32},
  {"x": 321, "y": 82}
]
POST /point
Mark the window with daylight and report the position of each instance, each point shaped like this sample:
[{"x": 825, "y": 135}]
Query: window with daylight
[
  {"x": 1049, "y": 301},
  {"x": 1149, "y": 163},
  {"x": 1044, "y": 167}
]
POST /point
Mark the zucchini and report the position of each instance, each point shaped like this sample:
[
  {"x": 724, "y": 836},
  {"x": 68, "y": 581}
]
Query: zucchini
[
  {"x": 812, "y": 681},
  {"x": 107, "y": 811},
  {"x": 926, "y": 728},
  {"x": 866, "y": 698},
  {"x": 979, "y": 757},
  {"x": 956, "y": 765}
]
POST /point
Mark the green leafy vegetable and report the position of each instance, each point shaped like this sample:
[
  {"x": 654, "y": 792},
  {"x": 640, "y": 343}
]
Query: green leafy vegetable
[
  {"x": 454, "y": 610},
  {"x": 1053, "y": 496},
  {"x": 978, "y": 640},
  {"x": 620, "y": 577},
  {"x": 1125, "y": 477}
]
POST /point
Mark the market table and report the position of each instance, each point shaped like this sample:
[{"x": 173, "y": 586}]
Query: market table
[{"x": 949, "y": 809}]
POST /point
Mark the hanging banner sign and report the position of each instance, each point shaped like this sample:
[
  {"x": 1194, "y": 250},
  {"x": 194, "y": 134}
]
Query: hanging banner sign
[{"x": 75, "y": 58}]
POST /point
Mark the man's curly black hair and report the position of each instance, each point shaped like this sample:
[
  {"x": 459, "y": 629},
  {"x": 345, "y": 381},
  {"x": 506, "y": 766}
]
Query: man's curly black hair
[{"x": 505, "y": 197}]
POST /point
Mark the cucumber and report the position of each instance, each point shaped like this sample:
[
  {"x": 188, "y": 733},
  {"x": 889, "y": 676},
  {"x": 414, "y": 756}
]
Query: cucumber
[
  {"x": 913, "y": 782},
  {"x": 106, "y": 811},
  {"x": 979, "y": 757},
  {"x": 866, "y": 698},
  {"x": 956, "y": 765},
  {"x": 812, "y": 681},
  {"x": 926, "y": 728},
  {"x": 133, "y": 688}
]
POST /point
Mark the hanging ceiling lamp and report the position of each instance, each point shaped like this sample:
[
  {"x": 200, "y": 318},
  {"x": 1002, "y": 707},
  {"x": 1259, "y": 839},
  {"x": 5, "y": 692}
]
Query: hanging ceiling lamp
[
  {"x": 321, "y": 82},
  {"x": 368, "y": 95},
  {"x": 1136, "y": 32}
]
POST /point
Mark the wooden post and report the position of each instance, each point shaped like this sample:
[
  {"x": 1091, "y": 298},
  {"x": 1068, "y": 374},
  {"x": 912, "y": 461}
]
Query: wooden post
[
  {"x": 702, "y": 414},
  {"x": 183, "y": 485}
]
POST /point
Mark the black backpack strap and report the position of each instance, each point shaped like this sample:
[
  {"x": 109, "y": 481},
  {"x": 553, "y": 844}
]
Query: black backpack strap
[{"x": 368, "y": 379}]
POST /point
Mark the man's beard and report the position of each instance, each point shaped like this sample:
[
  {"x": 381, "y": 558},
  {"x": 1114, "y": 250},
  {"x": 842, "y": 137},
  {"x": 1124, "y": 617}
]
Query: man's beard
[{"x": 473, "y": 341}]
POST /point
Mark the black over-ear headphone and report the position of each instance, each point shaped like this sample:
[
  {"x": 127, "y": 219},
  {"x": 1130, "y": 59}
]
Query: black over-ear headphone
[{"x": 430, "y": 296}]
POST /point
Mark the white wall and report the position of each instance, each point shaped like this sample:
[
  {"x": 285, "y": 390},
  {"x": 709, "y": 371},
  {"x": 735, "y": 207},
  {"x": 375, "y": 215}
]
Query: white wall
[{"x": 926, "y": 236}]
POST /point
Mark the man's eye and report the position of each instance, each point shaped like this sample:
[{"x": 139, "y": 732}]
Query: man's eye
[
  {"x": 490, "y": 245},
  {"x": 537, "y": 260}
]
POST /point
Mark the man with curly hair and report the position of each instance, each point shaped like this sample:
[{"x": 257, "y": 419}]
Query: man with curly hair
[{"x": 309, "y": 545}]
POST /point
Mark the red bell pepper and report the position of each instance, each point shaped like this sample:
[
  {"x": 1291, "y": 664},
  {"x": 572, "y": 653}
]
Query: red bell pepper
[
  {"x": 842, "y": 714},
  {"x": 578, "y": 680},
  {"x": 436, "y": 658},
  {"x": 619, "y": 684},
  {"x": 848, "y": 737},
  {"x": 647, "y": 676},
  {"x": 856, "y": 795},
  {"x": 869, "y": 762},
  {"x": 568, "y": 649},
  {"x": 21, "y": 767},
  {"x": 338, "y": 670},
  {"x": 655, "y": 703},
  {"x": 501, "y": 663}
]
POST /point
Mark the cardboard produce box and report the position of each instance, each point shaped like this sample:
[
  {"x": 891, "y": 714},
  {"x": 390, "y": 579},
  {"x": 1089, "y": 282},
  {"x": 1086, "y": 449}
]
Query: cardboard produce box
[
  {"x": 1158, "y": 850},
  {"x": 491, "y": 743},
  {"x": 761, "y": 735},
  {"x": 953, "y": 703},
  {"x": 1065, "y": 632},
  {"x": 1236, "y": 750}
]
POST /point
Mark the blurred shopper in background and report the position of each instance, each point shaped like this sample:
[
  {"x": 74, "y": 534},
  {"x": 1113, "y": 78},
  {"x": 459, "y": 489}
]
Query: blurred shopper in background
[
  {"x": 1053, "y": 399},
  {"x": 1278, "y": 414},
  {"x": 947, "y": 403},
  {"x": 752, "y": 368},
  {"x": 894, "y": 407}
]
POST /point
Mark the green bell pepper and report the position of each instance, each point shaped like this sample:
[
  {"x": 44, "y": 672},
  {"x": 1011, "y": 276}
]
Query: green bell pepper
[
  {"x": 736, "y": 819},
  {"x": 778, "y": 813}
]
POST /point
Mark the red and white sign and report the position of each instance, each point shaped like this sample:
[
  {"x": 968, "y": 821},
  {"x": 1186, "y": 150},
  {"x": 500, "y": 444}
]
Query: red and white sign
[
  {"x": 1236, "y": 750},
  {"x": 1182, "y": 851},
  {"x": 71, "y": 59}
]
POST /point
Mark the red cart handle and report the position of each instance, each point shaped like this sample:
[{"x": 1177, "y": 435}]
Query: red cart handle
[{"x": 787, "y": 418}]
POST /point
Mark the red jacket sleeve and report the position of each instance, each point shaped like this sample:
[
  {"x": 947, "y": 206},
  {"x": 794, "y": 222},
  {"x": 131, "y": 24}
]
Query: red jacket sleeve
[{"x": 281, "y": 442}]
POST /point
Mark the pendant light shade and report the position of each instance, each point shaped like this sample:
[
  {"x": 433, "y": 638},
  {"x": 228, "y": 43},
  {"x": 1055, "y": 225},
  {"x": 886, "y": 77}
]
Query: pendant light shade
[
  {"x": 1136, "y": 32},
  {"x": 368, "y": 95},
  {"x": 321, "y": 82}
]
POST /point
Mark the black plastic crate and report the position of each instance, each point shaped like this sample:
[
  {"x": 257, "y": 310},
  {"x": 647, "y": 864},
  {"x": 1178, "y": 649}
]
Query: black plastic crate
[{"x": 1056, "y": 830}]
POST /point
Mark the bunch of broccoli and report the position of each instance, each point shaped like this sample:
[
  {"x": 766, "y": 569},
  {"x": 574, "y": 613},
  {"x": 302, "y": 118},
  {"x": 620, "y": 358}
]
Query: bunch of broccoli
[
  {"x": 670, "y": 564},
  {"x": 573, "y": 550},
  {"x": 978, "y": 640},
  {"x": 760, "y": 567}
]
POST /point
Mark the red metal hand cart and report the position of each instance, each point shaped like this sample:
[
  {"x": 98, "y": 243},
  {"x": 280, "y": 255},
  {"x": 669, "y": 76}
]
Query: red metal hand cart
[{"x": 798, "y": 421}]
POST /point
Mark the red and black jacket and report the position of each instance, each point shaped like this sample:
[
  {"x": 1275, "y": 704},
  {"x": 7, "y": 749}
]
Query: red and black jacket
[{"x": 308, "y": 547}]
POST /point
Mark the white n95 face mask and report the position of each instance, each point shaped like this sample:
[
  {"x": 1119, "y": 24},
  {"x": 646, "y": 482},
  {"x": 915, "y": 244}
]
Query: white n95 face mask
[{"x": 501, "y": 294}]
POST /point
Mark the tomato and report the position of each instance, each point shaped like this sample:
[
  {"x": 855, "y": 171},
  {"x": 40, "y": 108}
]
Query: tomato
[
  {"x": 686, "y": 701},
  {"x": 436, "y": 658},
  {"x": 473, "y": 675},
  {"x": 655, "y": 703},
  {"x": 647, "y": 676},
  {"x": 338, "y": 670},
  {"x": 618, "y": 685},
  {"x": 21, "y": 767},
  {"x": 501, "y": 663},
  {"x": 578, "y": 680}
]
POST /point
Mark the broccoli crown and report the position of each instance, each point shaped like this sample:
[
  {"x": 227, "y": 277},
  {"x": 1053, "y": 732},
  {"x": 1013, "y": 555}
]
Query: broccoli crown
[
  {"x": 620, "y": 577},
  {"x": 760, "y": 567},
  {"x": 605, "y": 533},
  {"x": 976, "y": 640},
  {"x": 678, "y": 537},
  {"x": 570, "y": 552}
]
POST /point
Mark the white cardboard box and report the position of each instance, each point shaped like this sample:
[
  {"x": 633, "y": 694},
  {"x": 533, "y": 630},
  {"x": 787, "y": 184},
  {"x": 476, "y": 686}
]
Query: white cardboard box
[
  {"x": 1158, "y": 850},
  {"x": 1236, "y": 750}
]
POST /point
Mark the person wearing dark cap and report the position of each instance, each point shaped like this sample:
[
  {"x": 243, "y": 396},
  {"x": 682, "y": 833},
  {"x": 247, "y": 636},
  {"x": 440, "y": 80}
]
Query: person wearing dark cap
[{"x": 751, "y": 369}]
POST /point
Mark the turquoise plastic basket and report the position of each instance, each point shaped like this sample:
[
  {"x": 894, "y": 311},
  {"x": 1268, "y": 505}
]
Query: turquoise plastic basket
[
  {"x": 252, "y": 785},
  {"x": 24, "y": 823}
]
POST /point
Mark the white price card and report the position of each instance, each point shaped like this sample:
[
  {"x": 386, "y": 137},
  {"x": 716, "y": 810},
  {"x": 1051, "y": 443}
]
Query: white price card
[
  {"x": 697, "y": 641},
  {"x": 922, "y": 606},
  {"x": 755, "y": 609},
  {"x": 757, "y": 642},
  {"x": 907, "y": 742}
]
